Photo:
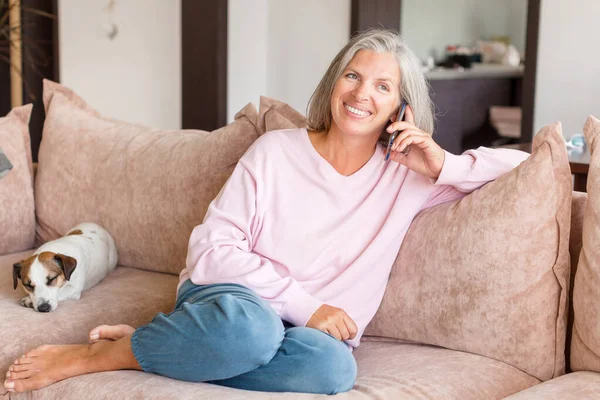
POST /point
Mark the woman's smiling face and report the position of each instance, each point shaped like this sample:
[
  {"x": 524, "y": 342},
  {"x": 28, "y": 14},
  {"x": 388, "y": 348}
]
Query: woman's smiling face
[{"x": 365, "y": 96}]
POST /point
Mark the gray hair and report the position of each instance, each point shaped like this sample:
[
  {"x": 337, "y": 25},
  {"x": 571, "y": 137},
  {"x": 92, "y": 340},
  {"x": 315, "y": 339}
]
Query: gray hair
[{"x": 413, "y": 89}]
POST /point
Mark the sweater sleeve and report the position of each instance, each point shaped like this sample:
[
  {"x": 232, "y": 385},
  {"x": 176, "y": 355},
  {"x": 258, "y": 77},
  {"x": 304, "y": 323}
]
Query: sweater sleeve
[
  {"x": 220, "y": 251},
  {"x": 469, "y": 171}
]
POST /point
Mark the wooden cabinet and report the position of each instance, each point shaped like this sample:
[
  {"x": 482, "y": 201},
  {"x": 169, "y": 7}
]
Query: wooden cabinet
[{"x": 462, "y": 109}]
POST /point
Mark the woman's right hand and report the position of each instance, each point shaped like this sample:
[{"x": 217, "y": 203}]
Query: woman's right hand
[{"x": 334, "y": 321}]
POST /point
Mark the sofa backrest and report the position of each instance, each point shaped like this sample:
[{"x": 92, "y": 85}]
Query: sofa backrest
[{"x": 147, "y": 187}]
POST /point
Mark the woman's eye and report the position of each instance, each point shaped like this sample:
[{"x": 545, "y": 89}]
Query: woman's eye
[
  {"x": 351, "y": 76},
  {"x": 384, "y": 88}
]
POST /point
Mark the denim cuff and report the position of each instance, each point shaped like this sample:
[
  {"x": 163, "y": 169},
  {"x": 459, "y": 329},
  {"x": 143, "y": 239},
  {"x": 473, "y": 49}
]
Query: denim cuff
[{"x": 135, "y": 347}]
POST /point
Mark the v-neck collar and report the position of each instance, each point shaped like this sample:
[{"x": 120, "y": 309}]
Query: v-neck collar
[{"x": 357, "y": 177}]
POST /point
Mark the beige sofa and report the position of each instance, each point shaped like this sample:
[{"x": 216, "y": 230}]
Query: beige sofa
[{"x": 388, "y": 368}]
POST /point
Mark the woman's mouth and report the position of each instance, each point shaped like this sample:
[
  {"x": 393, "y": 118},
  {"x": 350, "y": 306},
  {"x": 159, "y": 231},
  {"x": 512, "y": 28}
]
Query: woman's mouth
[{"x": 356, "y": 111}]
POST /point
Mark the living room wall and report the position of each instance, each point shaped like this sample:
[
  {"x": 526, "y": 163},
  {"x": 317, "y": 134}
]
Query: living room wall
[
  {"x": 567, "y": 85},
  {"x": 282, "y": 48},
  {"x": 136, "y": 76},
  {"x": 278, "y": 48}
]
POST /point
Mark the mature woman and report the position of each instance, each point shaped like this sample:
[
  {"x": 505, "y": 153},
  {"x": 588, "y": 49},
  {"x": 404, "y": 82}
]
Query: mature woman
[{"x": 293, "y": 256}]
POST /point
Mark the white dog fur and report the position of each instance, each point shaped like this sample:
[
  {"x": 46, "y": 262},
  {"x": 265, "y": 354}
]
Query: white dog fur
[{"x": 63, "y": 268}]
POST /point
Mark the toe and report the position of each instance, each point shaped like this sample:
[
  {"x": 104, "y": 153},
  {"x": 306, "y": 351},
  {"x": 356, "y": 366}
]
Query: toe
[
  {"x": 97, "y": 332},
  {"x": 109, "y": 332},
  {"x": 22, "y": 360},
  {"x": 18, "y": 368},
  {"x": 26, "y": 385},
  {"x": 13, "y": 376},
  {"x": 9, "y": 385}
]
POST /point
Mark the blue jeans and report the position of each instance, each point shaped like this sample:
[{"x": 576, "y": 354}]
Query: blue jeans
[{"x": 227, "y": 335}]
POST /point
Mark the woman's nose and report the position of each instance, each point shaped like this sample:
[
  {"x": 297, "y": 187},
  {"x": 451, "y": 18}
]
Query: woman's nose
[{"x": 361, "y": 92}]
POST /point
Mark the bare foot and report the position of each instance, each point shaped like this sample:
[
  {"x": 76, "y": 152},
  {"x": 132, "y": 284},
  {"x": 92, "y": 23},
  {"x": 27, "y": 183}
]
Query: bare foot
[
  {"x": 43, "y": 366},
  {"x": 110, "y": 332},
  {"x": 49, "y": 364}
]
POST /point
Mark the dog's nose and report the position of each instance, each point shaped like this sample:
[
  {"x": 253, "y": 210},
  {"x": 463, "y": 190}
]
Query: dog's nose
[{"x": 44, "y": 307}]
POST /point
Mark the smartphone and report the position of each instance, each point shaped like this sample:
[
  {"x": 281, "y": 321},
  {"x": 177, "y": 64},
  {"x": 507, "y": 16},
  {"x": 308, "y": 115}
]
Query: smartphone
[{"x": 401, "y": 113}]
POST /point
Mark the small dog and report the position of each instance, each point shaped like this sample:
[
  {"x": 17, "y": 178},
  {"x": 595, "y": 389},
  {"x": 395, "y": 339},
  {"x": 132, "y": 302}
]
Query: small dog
[{"x": 63, "y": 268}]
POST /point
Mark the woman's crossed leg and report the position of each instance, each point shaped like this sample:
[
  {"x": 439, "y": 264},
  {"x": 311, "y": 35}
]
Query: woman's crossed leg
[{"x": 223, "y": 334}]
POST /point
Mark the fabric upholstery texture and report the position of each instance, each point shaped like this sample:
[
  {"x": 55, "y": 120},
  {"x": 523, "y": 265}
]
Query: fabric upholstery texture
[
  {"x": 126, "y": 296},
  {"x": 274, "y": 114},
  {"x": 585, "y": 343},
  {"x": 17, "y": 218},
  {"x": 148, "y": 187},
  {"x": 488, "y": 274},
  {"x": 386, "y": 371},
  {"x": 575, "y": 386}
]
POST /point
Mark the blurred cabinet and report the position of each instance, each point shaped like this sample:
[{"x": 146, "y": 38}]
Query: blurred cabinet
[{"x": 462, "y": 109}]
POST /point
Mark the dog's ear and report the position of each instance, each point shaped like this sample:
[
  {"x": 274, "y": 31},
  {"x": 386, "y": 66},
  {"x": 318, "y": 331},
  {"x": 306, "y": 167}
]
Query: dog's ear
[
  {"x": 67, "y": 264},
  {"x": 16, "y": 274}
]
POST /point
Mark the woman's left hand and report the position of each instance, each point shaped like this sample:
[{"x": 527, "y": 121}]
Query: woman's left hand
[{"x": 424, "y": 156}]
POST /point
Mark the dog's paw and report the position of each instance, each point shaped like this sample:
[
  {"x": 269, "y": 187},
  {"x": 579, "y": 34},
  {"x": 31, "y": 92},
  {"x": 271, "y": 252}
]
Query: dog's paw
[{"x": 26, "y": 302}]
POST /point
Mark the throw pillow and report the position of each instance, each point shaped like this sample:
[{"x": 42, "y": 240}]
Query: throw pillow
[
  {"x": 17, "y": 217},
  {"x": 488, "y": 274},
  {"x": 274, "y": 114},
  {"x": 148, "y": 187},
  {"x": 585, "y": 343}
]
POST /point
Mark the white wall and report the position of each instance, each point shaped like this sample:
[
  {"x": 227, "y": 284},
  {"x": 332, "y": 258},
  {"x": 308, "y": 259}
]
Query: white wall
[
  {"x": 282, "y": 48},
  {"x": 135, "y": 77},
  {"x": 568, "y": 82},
  {"x": 428, "y": 26},
  {"x": 247, "y": 43}
]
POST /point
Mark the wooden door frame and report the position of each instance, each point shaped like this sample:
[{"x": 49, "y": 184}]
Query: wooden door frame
[
  {"x": 203, "y": 64},
  {"x": 529, "y": 78},
  {"x": 44, "y": 31}
]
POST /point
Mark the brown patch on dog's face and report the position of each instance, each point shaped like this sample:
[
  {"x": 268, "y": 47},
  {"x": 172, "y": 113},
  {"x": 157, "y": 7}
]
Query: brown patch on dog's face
[
  {"x": 55, "y": 275},
  {"x": 75, "y": 232},
  {"x": 59, "y": 267},
  {"x": 21, "y": 271}
]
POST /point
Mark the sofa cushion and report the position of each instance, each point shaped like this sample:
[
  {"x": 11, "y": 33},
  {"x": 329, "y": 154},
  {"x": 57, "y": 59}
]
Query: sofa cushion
[
  {"x": 585, "y": 343},
  {"x": 575, "y": 386},
  {"x": 488, "y": 274},
  {"x": 126, "y": 296},
  {"x": 148, "y": 187},
  {"x": 274, "y": 115},
  {"x": 385, "y": 371},
  {"x": 17, "y": 218}
]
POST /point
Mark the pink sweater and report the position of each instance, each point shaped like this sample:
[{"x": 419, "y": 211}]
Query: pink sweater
[{"x": 299, "y": 234}]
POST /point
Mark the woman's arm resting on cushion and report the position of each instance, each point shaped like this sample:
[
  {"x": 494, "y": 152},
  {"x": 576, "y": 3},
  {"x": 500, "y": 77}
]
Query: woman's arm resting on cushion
[{"x": 474, "y": 168}]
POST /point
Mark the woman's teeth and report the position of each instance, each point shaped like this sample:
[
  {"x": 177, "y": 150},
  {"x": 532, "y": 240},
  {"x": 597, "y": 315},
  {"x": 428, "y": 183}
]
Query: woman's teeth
[{"x": 356, "y": 111}]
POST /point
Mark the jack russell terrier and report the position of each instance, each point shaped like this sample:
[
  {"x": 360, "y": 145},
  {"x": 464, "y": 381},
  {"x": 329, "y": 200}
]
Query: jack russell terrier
[{"x": 63, "y": 268}]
